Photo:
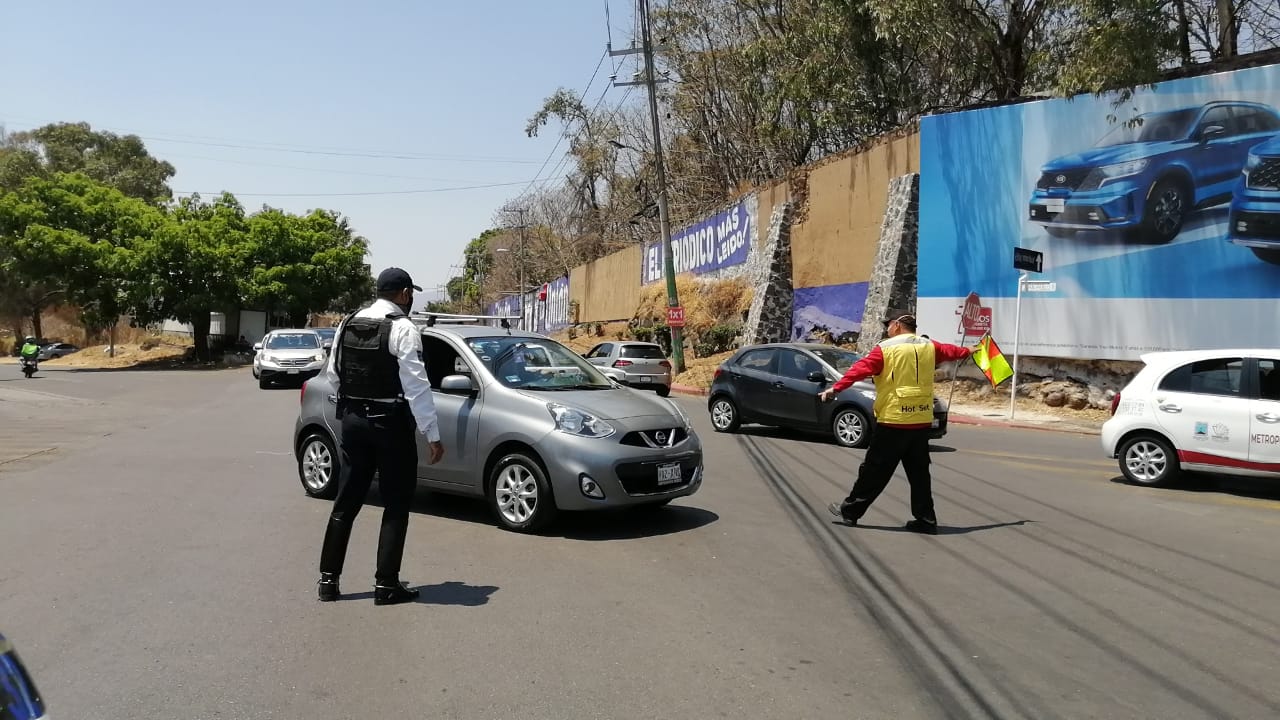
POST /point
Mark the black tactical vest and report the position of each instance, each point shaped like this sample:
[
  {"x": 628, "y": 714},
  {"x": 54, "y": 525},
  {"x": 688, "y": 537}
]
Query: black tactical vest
[{"x": 366, "y": 367}]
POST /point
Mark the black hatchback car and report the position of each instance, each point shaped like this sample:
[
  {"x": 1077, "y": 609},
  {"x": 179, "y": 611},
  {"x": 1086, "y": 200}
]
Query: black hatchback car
[{"x": 778, "y": 384}]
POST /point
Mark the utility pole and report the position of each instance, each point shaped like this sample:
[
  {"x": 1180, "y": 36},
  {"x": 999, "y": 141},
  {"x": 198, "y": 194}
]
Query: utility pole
[
  {"x": 522, "y": 227},
  {"x": 664, "y": 217}
]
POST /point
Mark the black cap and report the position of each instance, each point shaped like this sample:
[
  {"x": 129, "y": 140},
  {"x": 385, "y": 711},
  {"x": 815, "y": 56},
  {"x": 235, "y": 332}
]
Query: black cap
[
  {"x": 394, "y": 279},
  {"x": 905, "y": 318}
]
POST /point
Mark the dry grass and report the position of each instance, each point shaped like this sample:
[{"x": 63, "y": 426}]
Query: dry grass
[
  {"x": 150, "y": 351},
  {"x": 699, "y": 372},
  {"x": 706, "y": 303}
]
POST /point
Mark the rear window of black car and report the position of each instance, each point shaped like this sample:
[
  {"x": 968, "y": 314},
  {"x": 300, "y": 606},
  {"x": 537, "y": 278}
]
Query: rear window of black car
[{"x": 644, "y": 352}]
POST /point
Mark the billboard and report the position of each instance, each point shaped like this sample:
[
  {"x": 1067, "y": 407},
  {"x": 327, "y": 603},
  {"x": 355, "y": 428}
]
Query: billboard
[
  {"x": 720, "y": 241},
  {"x": 540, "y": 315},
  {"x": 1158, "y": 218},
  {"x": 836, "y": 309}
]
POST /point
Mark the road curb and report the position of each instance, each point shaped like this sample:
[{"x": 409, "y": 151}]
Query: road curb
[{"x": 688, "y": 390}]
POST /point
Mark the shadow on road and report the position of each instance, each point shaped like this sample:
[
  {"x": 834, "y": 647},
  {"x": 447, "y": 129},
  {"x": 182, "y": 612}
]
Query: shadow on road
[
  {"x": 621, "y": 524},
  {"x": 812, "y": 438},
  {"x": 943, "y": 529},
  {"x": 446, "y": 593},
  {"x": 1200, "y": 484}
]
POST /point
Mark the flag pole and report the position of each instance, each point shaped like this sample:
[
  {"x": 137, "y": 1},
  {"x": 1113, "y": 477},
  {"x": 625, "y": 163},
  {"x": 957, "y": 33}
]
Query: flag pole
[
  {"x": 1017, "y": 329},
  {"x": 955, "y": 370}
]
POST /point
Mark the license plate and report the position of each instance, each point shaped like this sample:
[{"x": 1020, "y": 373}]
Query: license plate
[
  {"x": 1055, "y": 205},
  {"x": 669, "y": 474},
  {"x": 293, "y": 372}
]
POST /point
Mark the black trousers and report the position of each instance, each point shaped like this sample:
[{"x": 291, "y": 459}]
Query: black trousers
[
  {"x": 374, "y": 437},
  {"x": 889, "y": 446}
]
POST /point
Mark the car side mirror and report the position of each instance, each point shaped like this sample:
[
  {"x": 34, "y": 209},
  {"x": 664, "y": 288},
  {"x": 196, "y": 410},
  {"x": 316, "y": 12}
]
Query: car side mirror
[
  {"x": 1211, "y": 132},
  {"x": 818, "y": 376},
  {"x": 257, "y": 347},
  {"x": 458, "y": 385}
]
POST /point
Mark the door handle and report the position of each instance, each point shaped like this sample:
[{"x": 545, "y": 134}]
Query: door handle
[
  {"x": 1269, "y": 417},
  {"x": 779, "y": 385},
  {"x": 1171, "y": 408},
  {"x": 333, "y": 399}
]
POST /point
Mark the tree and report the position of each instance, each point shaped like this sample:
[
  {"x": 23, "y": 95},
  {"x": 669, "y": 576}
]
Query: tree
[
  {"x": 121, "y": 161},
  {"x": 69, "y": 235},
  {"x": 192, "y": 266}
]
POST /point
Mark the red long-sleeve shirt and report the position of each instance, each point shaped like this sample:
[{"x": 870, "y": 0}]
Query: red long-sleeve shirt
[{"x": 873, "y": 363}]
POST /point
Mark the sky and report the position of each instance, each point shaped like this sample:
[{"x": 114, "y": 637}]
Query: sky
[{"x": 300, "y": 105}]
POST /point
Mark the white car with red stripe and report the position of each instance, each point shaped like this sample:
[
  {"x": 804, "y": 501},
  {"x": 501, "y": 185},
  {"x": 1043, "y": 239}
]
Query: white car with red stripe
[{"x": 1214, "y": 411}]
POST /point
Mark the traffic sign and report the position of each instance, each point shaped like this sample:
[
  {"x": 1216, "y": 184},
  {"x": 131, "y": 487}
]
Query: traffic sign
[
  {"x": 983, "y": 324},
  {"x": 675, "y": 316},
  {"x": 1028, "y": 260},
  {"x": 969, "y": 314}
]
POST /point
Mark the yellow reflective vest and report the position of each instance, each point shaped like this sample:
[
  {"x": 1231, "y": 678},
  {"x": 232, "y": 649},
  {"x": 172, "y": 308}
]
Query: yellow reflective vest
[{"x": 904, "y": 387}]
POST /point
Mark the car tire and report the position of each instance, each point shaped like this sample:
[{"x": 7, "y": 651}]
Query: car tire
[
  {"x": 663, "y": 391},
  {"x": 1267, "y": 255},
  {"x": 1167, "y": 207},
  {"x": 263, "y": 383},
  {"x": 515, "y": 480},
  {"x": 1149, "y": 460},
  {"x": 851, "y": 428},
  {"x": 1059, "y": 232},
  {"x": 318, "y": 466},
  {"x": 724, "y": 415}
]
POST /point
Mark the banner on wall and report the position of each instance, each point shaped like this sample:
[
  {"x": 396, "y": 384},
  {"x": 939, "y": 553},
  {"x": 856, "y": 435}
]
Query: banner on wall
[
  {"x": 1159, "y": 218},
  {"x": 720, "y": 241},
  {"x": 546, "y": 310}
]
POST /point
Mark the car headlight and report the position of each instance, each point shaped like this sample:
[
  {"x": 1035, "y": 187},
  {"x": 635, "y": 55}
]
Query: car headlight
[
  {"x": 272, "y": 359},
  {"x": 1124, "y": 169},
  {"x": 1251, "y": 164},
  {"x": 319, "y": 357},
  {"x": 576, "y": 422}
]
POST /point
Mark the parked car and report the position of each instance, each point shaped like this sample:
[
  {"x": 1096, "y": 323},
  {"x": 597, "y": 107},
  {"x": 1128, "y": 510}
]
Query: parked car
[
  {"x": 1254, "y": 221},
  {"x": 1198, "y": 410},
  {"x": 529, "y": 426},
  {"x": 288, "y": 354},
  {"x": 778, "y": 384},
  {"x": 19, "y": 698},
  {"x": 639, "y": 364},
  {"x": 326, "y": 337},
  {"x": 57, "y": 350},
  {"x": 1146, "y": 176}
]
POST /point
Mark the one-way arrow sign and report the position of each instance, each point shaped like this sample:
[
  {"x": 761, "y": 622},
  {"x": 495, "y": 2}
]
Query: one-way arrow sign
[{"x": 1029, "y": 260}]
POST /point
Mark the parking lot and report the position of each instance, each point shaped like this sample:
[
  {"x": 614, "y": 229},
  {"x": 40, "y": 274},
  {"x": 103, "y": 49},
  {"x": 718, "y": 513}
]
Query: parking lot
[{"x": 158, "y": 558}]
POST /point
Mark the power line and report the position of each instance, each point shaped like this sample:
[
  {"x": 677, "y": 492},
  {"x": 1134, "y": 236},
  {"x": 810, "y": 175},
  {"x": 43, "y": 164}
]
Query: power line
[
  {"x": 361, "y": 194},
  {"x": 560, "y": 139}
]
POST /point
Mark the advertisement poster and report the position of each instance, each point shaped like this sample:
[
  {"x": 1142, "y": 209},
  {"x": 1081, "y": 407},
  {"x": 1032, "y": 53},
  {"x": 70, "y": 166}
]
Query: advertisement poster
[
  {"x": 836, "y": 309},
  {"x": 1158, "y": 217},
  {"x": 544, "y": 316},
  {"x": 720, "y": 241}
]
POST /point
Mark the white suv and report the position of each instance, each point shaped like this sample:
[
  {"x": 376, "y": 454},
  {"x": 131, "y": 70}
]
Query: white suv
[{"x": 1198, "y": 410}]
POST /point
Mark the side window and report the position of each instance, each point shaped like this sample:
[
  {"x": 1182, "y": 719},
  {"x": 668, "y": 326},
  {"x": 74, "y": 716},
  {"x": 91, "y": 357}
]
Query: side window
[
  {"x": 758, "y": 360},
  {"x": 1220, "y": 116},
  {"x": 1220, "y": 376},
  {"x": 1269, "y": 379},
  {"x": 441, "y": 360},
  {"x": 602, "y": 350},
  {"x": 796, "y": 365},
  {"x": 1252, "y": 120}
]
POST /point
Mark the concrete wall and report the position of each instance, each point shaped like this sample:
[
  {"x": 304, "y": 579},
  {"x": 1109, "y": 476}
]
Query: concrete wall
[{"x": 608, "y": 288}]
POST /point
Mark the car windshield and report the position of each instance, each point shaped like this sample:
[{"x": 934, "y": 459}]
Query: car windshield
[
  {"x": 1152, "y": 127},
  {"x": 327, "y": 333},
  {"x": 644, "y": 352},
  {"x": 294, "y": 341},
  {"x": 838, "y": 358},
  {"x": 533, "y": 363}
]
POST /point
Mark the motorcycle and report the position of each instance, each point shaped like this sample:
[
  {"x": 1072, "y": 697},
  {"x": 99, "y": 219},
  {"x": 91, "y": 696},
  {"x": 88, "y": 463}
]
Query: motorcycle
[{"x": 29, "y": 366}]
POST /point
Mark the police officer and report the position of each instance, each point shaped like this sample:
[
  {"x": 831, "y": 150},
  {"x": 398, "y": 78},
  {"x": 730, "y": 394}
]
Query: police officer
[
  {"x": 903, "y": 366},
  {"x": 382, "y": 390}
]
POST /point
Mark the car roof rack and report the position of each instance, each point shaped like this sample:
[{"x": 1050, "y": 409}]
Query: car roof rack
[{"x": 433, "y": 318}]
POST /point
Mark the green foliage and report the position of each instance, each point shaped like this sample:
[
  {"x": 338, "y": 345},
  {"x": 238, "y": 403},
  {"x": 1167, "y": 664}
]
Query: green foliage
[
  {"x": 715, "y": 339},
  {"x": 120, "y": 161}
]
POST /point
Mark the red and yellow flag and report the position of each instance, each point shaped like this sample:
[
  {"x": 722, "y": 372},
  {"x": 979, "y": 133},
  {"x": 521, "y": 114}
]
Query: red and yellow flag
[{"x": 987, "y": 356}]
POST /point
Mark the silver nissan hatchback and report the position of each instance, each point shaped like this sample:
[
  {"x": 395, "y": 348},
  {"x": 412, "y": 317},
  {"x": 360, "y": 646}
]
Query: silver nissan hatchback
[{"x": 528, "y": 425}]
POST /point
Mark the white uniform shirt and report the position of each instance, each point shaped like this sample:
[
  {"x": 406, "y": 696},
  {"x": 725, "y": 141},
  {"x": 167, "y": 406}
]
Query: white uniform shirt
[{"x": 405, "y": 342}]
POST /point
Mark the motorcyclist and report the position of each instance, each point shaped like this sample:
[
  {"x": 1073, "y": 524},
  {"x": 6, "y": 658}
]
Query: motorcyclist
[{"x": 30, "y": 350}]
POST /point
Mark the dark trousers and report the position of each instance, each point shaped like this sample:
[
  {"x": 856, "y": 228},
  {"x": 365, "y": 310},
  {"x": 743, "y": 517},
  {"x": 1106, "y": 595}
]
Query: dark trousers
[
  {"x": 382, "y": 439},
  {"x": 889, "y": 446}
]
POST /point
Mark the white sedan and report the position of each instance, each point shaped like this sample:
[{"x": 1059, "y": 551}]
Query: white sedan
[{"x": 1212, "y": 411}]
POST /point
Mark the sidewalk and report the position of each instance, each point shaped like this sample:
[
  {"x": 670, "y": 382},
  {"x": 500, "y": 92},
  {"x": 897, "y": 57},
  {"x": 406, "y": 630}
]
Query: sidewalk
[{"x": 983, "y": 416}]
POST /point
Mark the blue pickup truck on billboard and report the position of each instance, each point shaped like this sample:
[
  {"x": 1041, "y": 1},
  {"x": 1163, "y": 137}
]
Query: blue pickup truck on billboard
[{"x": 1147, "y": 175}]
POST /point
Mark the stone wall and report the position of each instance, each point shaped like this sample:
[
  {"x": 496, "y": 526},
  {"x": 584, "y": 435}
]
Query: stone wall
[
  {"x": 893, "y": 277},
  {"x": 769, "y": 319}
]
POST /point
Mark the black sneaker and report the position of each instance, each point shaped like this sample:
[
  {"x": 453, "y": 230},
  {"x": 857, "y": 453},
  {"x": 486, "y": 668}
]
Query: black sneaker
[
  {"x": 328, "y": 587},
  {"x": 922, "y": 526},
  {"x": 837, "y": 509},
  {"x": 393, "y": 594}
]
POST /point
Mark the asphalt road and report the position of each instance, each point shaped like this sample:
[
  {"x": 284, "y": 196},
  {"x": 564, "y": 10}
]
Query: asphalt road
[{"x": 158, "y": 559}]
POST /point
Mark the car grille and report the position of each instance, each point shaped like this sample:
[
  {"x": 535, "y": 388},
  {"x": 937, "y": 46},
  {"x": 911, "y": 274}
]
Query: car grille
[
  {"x": 295, "y": 362},
  {"x": 1069, "y": 179},
  {"x": 1266, "y": 176},
  {"x": 664, "y": 438},
  {"x": 641, "y": 478},
  {"x": 1259, "y": 225}
]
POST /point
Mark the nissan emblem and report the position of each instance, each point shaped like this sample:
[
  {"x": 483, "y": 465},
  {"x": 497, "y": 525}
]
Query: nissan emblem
[{"x": 661, "y": 437}]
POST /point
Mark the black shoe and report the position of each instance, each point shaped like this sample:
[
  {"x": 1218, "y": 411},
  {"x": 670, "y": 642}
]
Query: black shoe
[
  {"x": 922, "y": 526},
  {"x": 328, "y": 587},
  {"x": 837, "y": 509},
  {"x": 393, "y": 594}
]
